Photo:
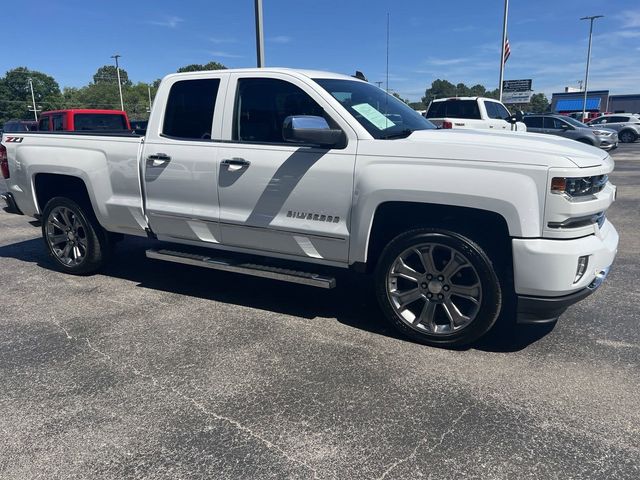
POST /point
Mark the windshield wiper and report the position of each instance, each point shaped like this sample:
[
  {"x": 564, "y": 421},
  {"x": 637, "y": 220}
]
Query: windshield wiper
[{"x": 401, "y": 134}]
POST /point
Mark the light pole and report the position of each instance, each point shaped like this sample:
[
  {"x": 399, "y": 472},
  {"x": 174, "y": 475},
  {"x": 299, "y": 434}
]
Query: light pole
[
  {"x": 116, "y": 56},
  {"x": 586, "y": 75},
  {"x": 259, "y": 34},
  {"x": 33, "y": 100}
]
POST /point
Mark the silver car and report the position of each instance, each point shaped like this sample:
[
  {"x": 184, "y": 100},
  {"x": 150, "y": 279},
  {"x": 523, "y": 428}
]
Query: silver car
[
  {"x": 626, "y": 124},
  {"x": 571, "y": 128}
]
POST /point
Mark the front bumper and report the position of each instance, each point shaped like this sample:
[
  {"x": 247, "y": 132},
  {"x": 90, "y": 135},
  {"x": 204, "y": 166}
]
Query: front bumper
[
  {"x": 547, "y": 267},
  {"x": 11, "y": 207},
  {"x": 541, "y": 310}
]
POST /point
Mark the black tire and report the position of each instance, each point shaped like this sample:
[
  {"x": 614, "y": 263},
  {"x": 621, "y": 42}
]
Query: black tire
[
  {"x": 490, "y": 303},
  {"x": 627, "y": 136},
  {"x": 95, "y": 240}
]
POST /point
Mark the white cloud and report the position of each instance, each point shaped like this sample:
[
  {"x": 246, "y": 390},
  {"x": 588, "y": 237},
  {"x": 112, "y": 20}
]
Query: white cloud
[
  {"x": 630, "y": 18},
  {"x": 280, "y": 39},
  {"x": 219, "y": 40},
  {"x": 222, "y": 54},
  {"x": 168, "y": 22},
  {"x": 446, "y": 61}
]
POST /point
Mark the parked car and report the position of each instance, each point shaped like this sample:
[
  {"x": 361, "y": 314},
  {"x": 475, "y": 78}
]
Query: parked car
[
  {"x": 456, "y": 227},
  {"x": 473, "y": 112},
  {"x": 16, "y": 126},
  {"x": 571, "y": 128},
  {"x": 626, "y": 124},
  {"x": 73, "y": 120}
]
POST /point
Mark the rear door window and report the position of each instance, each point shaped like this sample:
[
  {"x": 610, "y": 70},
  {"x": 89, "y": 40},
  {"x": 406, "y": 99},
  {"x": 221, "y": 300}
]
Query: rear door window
[
  {"x": 533, "y": 122},
  {"x": 190, "y": 107},
  {"x": 58, "y": 122},
  {"x": 618, "y": 119},
  {"x": 492, "y": 111}
]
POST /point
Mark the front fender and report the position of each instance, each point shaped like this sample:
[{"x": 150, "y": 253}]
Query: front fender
[{"x": 516, "y": 193}]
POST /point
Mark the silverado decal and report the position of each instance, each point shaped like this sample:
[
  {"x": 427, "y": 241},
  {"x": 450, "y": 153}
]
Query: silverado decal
[
  {"x": 313, "y": 216},
  {"x": 13, "y": 139}
]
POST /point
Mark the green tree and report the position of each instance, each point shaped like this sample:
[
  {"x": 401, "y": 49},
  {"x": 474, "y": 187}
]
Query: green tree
[
  {"x": 109, "y": 74},
  {"x": 539, "y": 103},
  {"x": 417, "y": 105},
  {"x": 196, "y": 67},
  {"x": 439, "y": 89},
  {"x": 15, "y": 94}
]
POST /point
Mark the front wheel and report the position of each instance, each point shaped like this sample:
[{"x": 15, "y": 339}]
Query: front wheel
[
  {"x": 438, "y": 287},
  {"x": 73, "y": 236}
]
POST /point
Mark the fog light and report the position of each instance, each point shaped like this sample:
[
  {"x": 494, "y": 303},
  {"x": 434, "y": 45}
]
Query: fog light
[{"x": 583, "y": 262}]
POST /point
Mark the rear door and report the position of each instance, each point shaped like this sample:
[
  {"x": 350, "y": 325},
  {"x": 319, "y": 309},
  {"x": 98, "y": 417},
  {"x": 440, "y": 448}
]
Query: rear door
[
  {"x": 180, "y": 162},
  {"x": 276, "y": 196}
]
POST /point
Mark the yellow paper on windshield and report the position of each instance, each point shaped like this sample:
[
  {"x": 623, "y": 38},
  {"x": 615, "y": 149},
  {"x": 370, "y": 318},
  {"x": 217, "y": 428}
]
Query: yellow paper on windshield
[{"x": 374, "y": 116}]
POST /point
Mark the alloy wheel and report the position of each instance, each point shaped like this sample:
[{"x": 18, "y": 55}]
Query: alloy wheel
[{"x": 434, "y": 288}]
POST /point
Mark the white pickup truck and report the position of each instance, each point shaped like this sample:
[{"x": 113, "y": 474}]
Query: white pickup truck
[
  {"x": 456, "y": 227},
  {"x": 473, "y": 112}
]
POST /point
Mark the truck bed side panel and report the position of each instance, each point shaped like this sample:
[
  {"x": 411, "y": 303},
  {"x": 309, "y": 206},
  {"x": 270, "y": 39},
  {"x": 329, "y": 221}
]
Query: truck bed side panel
[{"x": 107, "y": 165}]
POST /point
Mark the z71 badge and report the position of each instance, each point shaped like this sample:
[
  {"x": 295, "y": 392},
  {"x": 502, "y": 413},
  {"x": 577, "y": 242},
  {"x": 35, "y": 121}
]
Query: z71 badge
[
  {"x": 13, "y": 139},
  {"x": 313, "y": 216}
]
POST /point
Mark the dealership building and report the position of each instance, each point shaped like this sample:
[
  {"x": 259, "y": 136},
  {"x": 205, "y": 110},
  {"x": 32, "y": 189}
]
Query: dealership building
[{"x": 598, "y": 101}]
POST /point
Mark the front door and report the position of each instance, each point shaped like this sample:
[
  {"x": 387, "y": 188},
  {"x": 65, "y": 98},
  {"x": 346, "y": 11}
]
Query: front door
[
  {"x": 180, "y": 162},
  {"x": 291, "y": 199}
]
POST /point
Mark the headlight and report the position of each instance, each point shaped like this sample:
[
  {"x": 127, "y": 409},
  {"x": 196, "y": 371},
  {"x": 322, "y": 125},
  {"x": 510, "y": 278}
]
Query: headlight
[
  {"x": 602, "y": 133},
  {"x": 578, "y": 187}
]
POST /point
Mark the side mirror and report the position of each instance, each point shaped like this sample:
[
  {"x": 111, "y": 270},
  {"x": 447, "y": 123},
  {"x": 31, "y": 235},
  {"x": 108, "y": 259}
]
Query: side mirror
[
  {"x": 516, "y": 117},
  {"x": 564, "y": 126},
  {"x": 310, "y": 129}
]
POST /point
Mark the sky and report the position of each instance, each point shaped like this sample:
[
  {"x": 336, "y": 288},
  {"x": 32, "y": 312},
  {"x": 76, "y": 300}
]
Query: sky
[{"x": 428, "y": 39}]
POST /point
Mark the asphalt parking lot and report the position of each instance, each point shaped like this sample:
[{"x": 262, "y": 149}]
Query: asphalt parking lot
[{"x": 156, "y": 370}]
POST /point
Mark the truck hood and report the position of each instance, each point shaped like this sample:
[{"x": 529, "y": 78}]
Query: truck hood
[{"x": 505, "y": 147}]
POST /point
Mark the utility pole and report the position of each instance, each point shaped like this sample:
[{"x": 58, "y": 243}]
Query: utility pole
[
  {"x": 259, "y": 34},
  {"x": 116, "y": 56},
  {"x": 586, "y": 75},
  {"x": 387, "y": 52},
  {"x": 379, "y": 84},
  {"x": 33, "y": 100},
  {"x": 504, "y": 41}
]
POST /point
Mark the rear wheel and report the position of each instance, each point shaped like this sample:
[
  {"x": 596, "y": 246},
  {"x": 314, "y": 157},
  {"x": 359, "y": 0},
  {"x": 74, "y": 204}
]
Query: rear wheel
[
  {"x": 438, "y": 287},
  {"x": 75, "y": 240},
  {"x": 627, "y": 136}
]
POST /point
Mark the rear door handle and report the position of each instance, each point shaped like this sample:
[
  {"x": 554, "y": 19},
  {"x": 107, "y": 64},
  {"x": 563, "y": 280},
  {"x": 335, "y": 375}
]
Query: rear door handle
[
  {"x": 235, "y": 164},
  {"x": 158, "y": 159}
]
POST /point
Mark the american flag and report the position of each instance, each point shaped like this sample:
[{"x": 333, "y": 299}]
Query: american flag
[{"x": 507, "y": 50}]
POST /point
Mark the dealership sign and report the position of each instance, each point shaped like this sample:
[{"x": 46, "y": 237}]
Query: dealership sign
[
  {"x": 517, "y": 91},
  {"x": 517, "y": 85},
  {"x": 517, "y": 97}
]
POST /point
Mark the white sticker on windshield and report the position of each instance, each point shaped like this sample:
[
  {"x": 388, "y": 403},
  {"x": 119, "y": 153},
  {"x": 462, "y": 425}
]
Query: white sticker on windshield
[{"x": 374, "y": 116}]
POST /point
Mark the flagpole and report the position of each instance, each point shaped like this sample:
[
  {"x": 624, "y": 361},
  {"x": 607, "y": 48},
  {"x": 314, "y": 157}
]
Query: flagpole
[{"x": 504, "y": 41}]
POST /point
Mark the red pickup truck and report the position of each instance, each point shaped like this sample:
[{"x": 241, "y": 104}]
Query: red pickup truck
[{"x": 74, "y": 120}]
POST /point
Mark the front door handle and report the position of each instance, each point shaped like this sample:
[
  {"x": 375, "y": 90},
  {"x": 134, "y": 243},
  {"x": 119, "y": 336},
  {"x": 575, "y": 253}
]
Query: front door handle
[
  {"x": 158, "y": 159},
  {"x": 235, "y": 164}
]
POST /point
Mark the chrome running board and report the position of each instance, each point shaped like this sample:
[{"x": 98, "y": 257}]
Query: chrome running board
[{"x": 228, "y": 265}]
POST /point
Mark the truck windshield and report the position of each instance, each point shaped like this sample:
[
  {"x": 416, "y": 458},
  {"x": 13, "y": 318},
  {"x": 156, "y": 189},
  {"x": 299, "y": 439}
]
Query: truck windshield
[{"x": 381, "y": 114}]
